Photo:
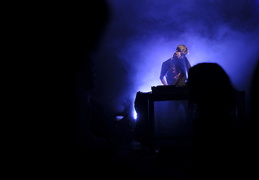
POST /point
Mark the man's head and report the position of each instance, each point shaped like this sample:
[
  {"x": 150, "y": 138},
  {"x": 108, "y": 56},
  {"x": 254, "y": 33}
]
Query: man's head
[{"x": 181, "y": 50}]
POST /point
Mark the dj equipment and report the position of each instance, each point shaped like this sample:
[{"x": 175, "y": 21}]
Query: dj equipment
[{"x": 164, "y": 115}]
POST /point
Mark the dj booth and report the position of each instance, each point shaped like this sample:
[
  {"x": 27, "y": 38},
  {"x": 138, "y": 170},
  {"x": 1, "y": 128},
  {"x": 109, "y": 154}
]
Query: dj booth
[{"x": 164, "y": 115}]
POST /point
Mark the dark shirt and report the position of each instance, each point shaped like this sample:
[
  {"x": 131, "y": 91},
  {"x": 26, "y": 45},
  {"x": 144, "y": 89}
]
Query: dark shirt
[{"x": 172, "y": 67}]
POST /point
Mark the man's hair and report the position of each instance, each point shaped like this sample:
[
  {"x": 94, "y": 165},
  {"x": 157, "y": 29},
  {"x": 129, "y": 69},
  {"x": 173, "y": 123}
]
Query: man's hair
[{"x": 182, "y": 48}]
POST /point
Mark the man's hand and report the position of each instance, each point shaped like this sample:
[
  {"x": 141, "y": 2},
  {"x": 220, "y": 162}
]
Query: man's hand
[{"x": 164, "y": 82}]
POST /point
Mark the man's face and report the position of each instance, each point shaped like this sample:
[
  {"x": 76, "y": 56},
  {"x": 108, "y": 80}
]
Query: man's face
[
  {"x": 183, "y": 54},
  {"x": 182, "y": 50},
  {"x": 180, "y": 54}
]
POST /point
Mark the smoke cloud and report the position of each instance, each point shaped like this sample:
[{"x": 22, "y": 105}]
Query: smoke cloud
[{"x": 142, "y": 34}]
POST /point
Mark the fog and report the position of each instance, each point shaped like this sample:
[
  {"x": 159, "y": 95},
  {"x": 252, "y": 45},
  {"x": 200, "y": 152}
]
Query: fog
[{"x": 141, "y": 34}]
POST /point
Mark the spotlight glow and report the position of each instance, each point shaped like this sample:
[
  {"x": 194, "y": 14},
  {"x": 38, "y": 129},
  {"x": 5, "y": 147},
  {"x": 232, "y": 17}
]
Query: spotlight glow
[{"x": 135, "y": 115}]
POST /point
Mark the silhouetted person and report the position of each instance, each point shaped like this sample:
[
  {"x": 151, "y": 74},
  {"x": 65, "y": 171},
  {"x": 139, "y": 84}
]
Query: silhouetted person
[
  {"x": 59, "y": 36},
  {"x": 213, "y": 98},
  {"x": 96, "y": 146},
  {"x": 249, "y": 143}
]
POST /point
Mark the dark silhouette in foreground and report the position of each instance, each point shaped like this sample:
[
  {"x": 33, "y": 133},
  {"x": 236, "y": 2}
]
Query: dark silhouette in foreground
[
  {"x": 250, "y": 130},
  {"x": 213, "y": 98}
]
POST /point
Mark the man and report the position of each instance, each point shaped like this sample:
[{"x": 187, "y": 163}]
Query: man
[{"x": 174, "y": 71}]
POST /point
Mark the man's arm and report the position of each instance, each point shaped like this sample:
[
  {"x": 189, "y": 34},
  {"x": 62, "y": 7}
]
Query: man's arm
[
  {"x": 162, "y": 74},
  {"x": 163, "y": 80}
]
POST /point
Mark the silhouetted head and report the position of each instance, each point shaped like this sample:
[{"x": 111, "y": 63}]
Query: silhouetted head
[{"x": 210, "y": 86}]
